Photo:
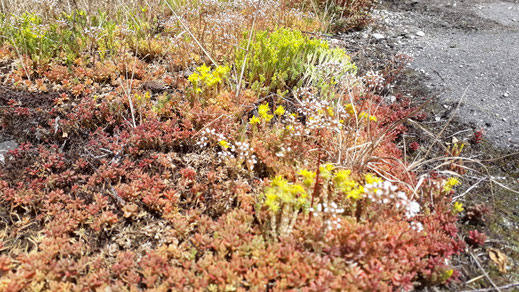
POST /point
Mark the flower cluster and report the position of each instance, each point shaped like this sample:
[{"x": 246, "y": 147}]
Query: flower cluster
[
  {"x": 241, "y": 151},
  {"x": 450, "y": 183},
  {"x": 207, "y": 78},
  {"x": 320, "y": 115},
  {"x": 385, "y": 193},
  {"x": 284, "y": 201},
  {"x": 332, "y": 212},
  {"x": 264, "y": 113},
  {"x": 374, "y": 80}
]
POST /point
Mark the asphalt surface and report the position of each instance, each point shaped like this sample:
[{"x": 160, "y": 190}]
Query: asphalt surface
[{"x": 470, "y": 52}]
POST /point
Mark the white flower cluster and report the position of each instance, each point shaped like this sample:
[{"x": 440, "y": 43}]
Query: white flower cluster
[
  {"x": 283, "y": 151},
  {"x": 374, "y": 80},
  {"x": 206, "y": 134},
  {"x": 332, "y": 212},
  {"x": 320, "y": 114},
  {"x": 238, "y": 150},
  {"x": 417, "y": 226},
  {"x": 242, "y": 151},
  {"x": 92, "y": 32},
  {"x": 386, "y": 193},
  {"x": 126, "y": 31}
]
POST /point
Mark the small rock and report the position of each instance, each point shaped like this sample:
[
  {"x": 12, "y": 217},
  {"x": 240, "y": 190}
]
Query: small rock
[
  {"x": 153, "y": 86},
  {"x": 506, "y": 94},
  {"x": 378, "y": 36},
  {"x": 6, "y": 146},
  {"x": 420, "y": 33}
]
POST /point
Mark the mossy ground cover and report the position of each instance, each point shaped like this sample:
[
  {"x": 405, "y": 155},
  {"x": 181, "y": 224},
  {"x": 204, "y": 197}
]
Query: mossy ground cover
[{"x": 211, "y": 145}]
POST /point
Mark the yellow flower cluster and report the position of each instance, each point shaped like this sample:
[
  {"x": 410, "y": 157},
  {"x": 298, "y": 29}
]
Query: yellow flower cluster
[
  {"x": 281, "y": 192},
  {"x": 450, "y": 184},
  {"x": 207, "y": 77},
  {"x": 265, "y": 115},
  {"x": 224, "y": 144},
  {"x": 363, "y": 115},
  {"x": 308, "y": 177},
  {"x": 370, "y": 179},
  {"x": 457, "y": 208},
  {"x": 341, "y": 180}
]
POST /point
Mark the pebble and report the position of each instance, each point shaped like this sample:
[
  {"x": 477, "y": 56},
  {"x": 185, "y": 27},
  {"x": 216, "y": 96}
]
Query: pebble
[
  {"x": 420, "y": 33},
  {"x": 378, "y": 36}
]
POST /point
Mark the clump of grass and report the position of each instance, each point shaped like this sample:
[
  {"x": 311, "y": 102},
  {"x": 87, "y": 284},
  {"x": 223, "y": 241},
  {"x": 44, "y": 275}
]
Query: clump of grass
[{"x": 340, "y": 15}]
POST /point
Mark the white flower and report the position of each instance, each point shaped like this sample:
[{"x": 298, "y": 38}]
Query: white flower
[
  {"x": 413, "y": 208},
  {"x": 417, "y": 226}
]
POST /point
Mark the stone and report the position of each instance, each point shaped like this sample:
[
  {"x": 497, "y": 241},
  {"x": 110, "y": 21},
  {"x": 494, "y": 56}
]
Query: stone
[
  {"x": 5, "y": 147},
  {"x": 420, "y": 33},
  {"x": 378, "y": 36},
  {"x": 153, "y": 86}
]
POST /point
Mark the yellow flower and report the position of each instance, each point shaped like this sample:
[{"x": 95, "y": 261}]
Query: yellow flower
[
  {"x": 221, "y": 71},
  {"x": 356, "y": 194},
  {"x": 263, "y": 109},
  {"x": 297, "y": 190},
  {"x": 451, "y": 182},
  {"x": 254, "y": 120},
  {"x": 331, "y": 113},
  {"x": 194, "y": 78},
  {"x": 279, "y": 181},
  {"x": 224, "y": 144},
  {"x": 457, "y": 207},
  {"x": 342, "y": 176},
  {"x": 370, "y": 179},
  {"x": 373, "y": 118},
  {"x": 349, "y": 108},
  {"x": 326, "y": 171},
  {"x": 204, "y": 69},
  {"x": 329, "y": 166},
  {"x": 280, "y": 110},
  {"x": 308, "y": 176},
  {"x": 271, "y": 201}
]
